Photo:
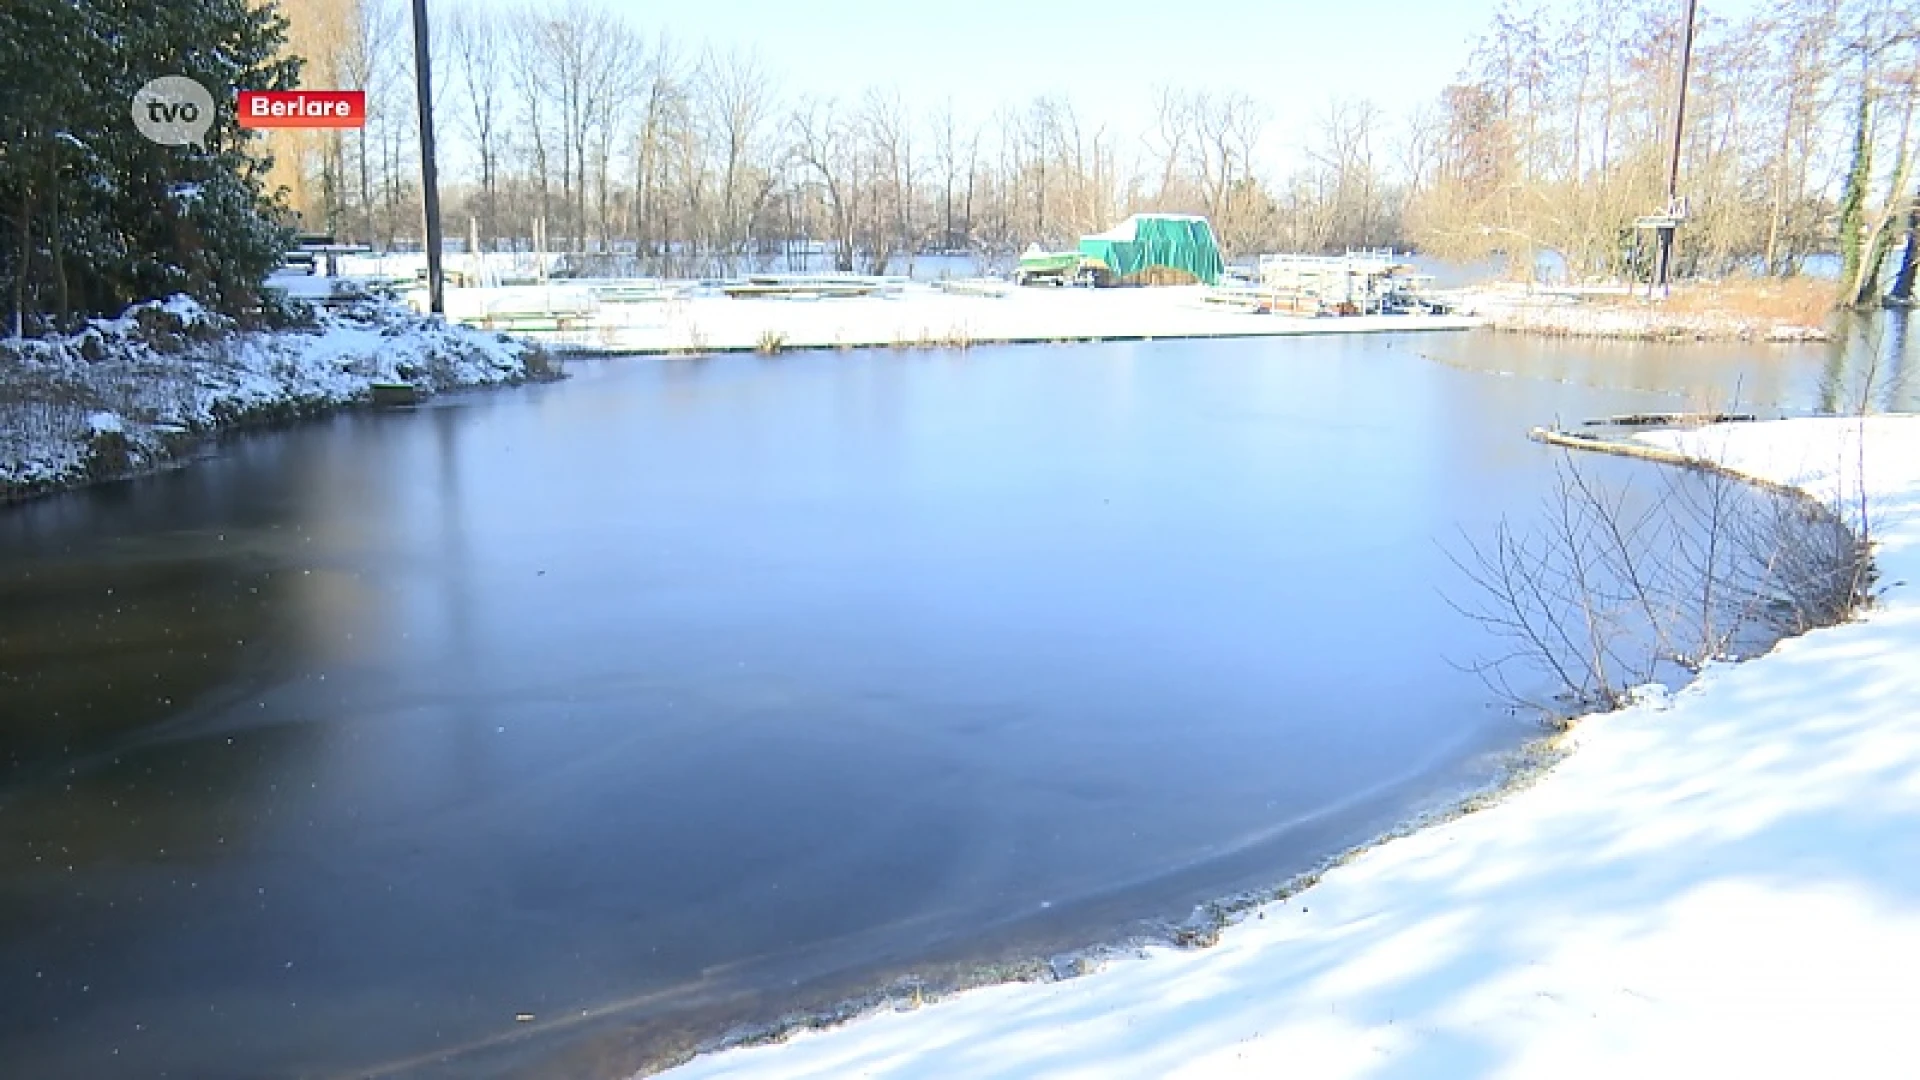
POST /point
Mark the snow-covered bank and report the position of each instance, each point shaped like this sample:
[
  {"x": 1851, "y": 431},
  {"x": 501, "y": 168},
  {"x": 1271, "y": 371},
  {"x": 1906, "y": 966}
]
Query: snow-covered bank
[
  {"x": 920, "y": 316},
  {"x": 1615, "y": 313},
  {"x": 1722, "y": 882},
  {"x": 123, "y": 395}
]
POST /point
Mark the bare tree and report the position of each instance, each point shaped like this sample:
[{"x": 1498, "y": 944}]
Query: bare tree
[
  {"x": 367, "y": 63},
  {"x": 947, "y": 152},
  {"x": 826, "y": 143},
  {"x": 888, "y": 138},
  {"x": 1551, "y": 137},
  {"x": 475, "y": 39},
  {"x": 662, "y": 108},
  {"x": 528, "y": 73},
  {"x": 1608, "y": 590},
  {"x": 1173, "y": 126},
  {"x": 737, "y": 98}
]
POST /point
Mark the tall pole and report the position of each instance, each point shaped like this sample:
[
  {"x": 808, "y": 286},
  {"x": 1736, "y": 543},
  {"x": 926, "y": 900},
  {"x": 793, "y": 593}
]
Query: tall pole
[
  {"x": 429, "y": 177},
  {"x": 1663, "y": 270}
]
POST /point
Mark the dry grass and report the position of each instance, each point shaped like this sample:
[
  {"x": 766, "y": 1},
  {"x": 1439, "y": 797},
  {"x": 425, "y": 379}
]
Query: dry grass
[
  {"x": 1793, "y": 301},
  {"x": 955, "y": 337}
]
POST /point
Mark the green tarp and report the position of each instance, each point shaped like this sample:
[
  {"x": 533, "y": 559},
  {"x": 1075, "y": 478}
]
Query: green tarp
[{"x": 1144, "y": 241}]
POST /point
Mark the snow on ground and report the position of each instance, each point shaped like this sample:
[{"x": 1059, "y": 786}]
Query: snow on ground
[
  {"x": 124, "y": 393},
  {"x": 921, "y": 315},
  {"x": 1724, "y": 882},
  {"x": 1614, "y": 312}
]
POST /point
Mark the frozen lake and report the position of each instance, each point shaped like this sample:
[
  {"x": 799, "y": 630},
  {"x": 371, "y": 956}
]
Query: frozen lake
[{"x": 684, "y": 693}]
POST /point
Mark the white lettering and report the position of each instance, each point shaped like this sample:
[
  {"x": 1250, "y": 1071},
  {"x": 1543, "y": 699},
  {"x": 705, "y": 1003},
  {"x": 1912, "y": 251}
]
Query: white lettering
[{"x": 324, "y": 109}]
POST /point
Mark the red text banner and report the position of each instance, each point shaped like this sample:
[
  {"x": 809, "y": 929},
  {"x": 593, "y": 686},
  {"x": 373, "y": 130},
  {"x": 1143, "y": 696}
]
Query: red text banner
[{"x": 302, "y": 108}]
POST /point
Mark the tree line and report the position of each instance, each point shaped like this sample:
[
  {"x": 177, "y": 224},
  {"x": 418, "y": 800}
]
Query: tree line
[
  {"x": 1798, "y": 141},
  {"x": 1552, "y": 141},
  {"x": 613, "y": 141},
  {"x": 93, "y": 216},
  {"x": 694, "y": 159}
]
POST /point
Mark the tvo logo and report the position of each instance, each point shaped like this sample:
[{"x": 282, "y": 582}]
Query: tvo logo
[{"x": 173, "y": 110}]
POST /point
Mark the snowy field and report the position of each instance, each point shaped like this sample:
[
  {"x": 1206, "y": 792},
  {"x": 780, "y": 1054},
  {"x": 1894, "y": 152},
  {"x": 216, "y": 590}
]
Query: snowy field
[
  {"x": 1724, "y": 882},
  {"x": 922, "y": 316},
  {"x": 123, "y": 394}
]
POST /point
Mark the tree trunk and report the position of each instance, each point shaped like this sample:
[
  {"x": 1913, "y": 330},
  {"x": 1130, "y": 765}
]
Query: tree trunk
[
  {"x": 58, "y": 251},
  {"x": 1853, "y": 199},
  {"x": 366, "y": 190},
  {"x": 1902, "y": 291},
  {"x": 26, "y": 259},
  {"x": 1778, "y": 209},
  {"x": 966, "y": 209}
]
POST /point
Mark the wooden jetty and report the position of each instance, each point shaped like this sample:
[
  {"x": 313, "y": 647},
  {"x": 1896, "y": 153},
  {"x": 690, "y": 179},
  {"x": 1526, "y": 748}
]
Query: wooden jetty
[
  {"x": 1357, "y": 283},
  {"x": 1263, "y": 300},
  {"x": 1579, "y": 440},
  {"x": 1669, "y": 419},
  {"x": 974, "y": 287},
  {"x": 634, "y": 291},
  {"x": 801, "y": 287}
]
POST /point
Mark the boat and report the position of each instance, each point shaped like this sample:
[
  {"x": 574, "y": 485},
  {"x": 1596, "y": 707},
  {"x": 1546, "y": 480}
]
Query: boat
[{"x": 1041, "y": 267}]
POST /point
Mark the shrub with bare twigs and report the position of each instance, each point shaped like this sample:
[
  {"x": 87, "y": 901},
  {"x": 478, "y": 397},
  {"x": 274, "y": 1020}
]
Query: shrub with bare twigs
[{"x": 1607, "y": 591}]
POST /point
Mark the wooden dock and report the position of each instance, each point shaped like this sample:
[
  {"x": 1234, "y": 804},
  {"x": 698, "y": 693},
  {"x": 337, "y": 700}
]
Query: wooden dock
[
  {"x": 806, "y": 286},
  {"x": 1673, "y": 419}
]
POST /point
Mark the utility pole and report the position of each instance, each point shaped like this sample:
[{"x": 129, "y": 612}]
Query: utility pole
[
  {"x": 1663, "y": 256},
  {"x": 429, "y": 177}
]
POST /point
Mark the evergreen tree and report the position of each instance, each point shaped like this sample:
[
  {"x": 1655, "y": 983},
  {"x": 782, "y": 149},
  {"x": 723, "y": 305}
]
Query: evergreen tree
[{"x": 93, "y": 216}]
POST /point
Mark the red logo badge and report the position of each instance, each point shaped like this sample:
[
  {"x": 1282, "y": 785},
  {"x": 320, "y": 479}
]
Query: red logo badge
[{"x": 302, "y": 108}]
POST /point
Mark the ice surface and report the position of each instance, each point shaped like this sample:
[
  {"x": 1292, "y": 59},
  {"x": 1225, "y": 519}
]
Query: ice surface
[{"x": 1720, "y": 882}]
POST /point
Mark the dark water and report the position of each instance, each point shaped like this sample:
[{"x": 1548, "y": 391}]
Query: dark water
[{"x": 685, "y": 692}]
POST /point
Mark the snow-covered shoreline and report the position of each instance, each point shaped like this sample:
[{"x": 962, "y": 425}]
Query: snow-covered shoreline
[
  {"x": 920, "y": 316},
  {"x": 127, "y": 395},
  {"x": 1723, "y": 881},
  {"x": 1614, "y": 313}
]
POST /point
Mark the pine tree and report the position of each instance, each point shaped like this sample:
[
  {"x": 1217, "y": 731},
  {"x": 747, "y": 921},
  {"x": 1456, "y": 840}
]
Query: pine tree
[{"x": 93, "y": 216}]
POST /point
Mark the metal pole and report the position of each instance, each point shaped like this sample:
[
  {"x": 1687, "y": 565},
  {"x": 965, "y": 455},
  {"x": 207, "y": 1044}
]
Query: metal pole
[
  {"x": 1663, "y": 269},
  {"x": 429, "y": 177}
]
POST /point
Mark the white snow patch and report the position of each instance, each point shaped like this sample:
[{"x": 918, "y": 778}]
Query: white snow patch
[
  {"x": 1723, "y": 882},
  {"x": 186, "y": 307},
  {"x": 1602, "y": 311},
  {"x": 301, "y": 285},
  {"x": 1650, "y": 695},
  {"x": 919, "y": 315},
  {"x": 171, "y": 366}
]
